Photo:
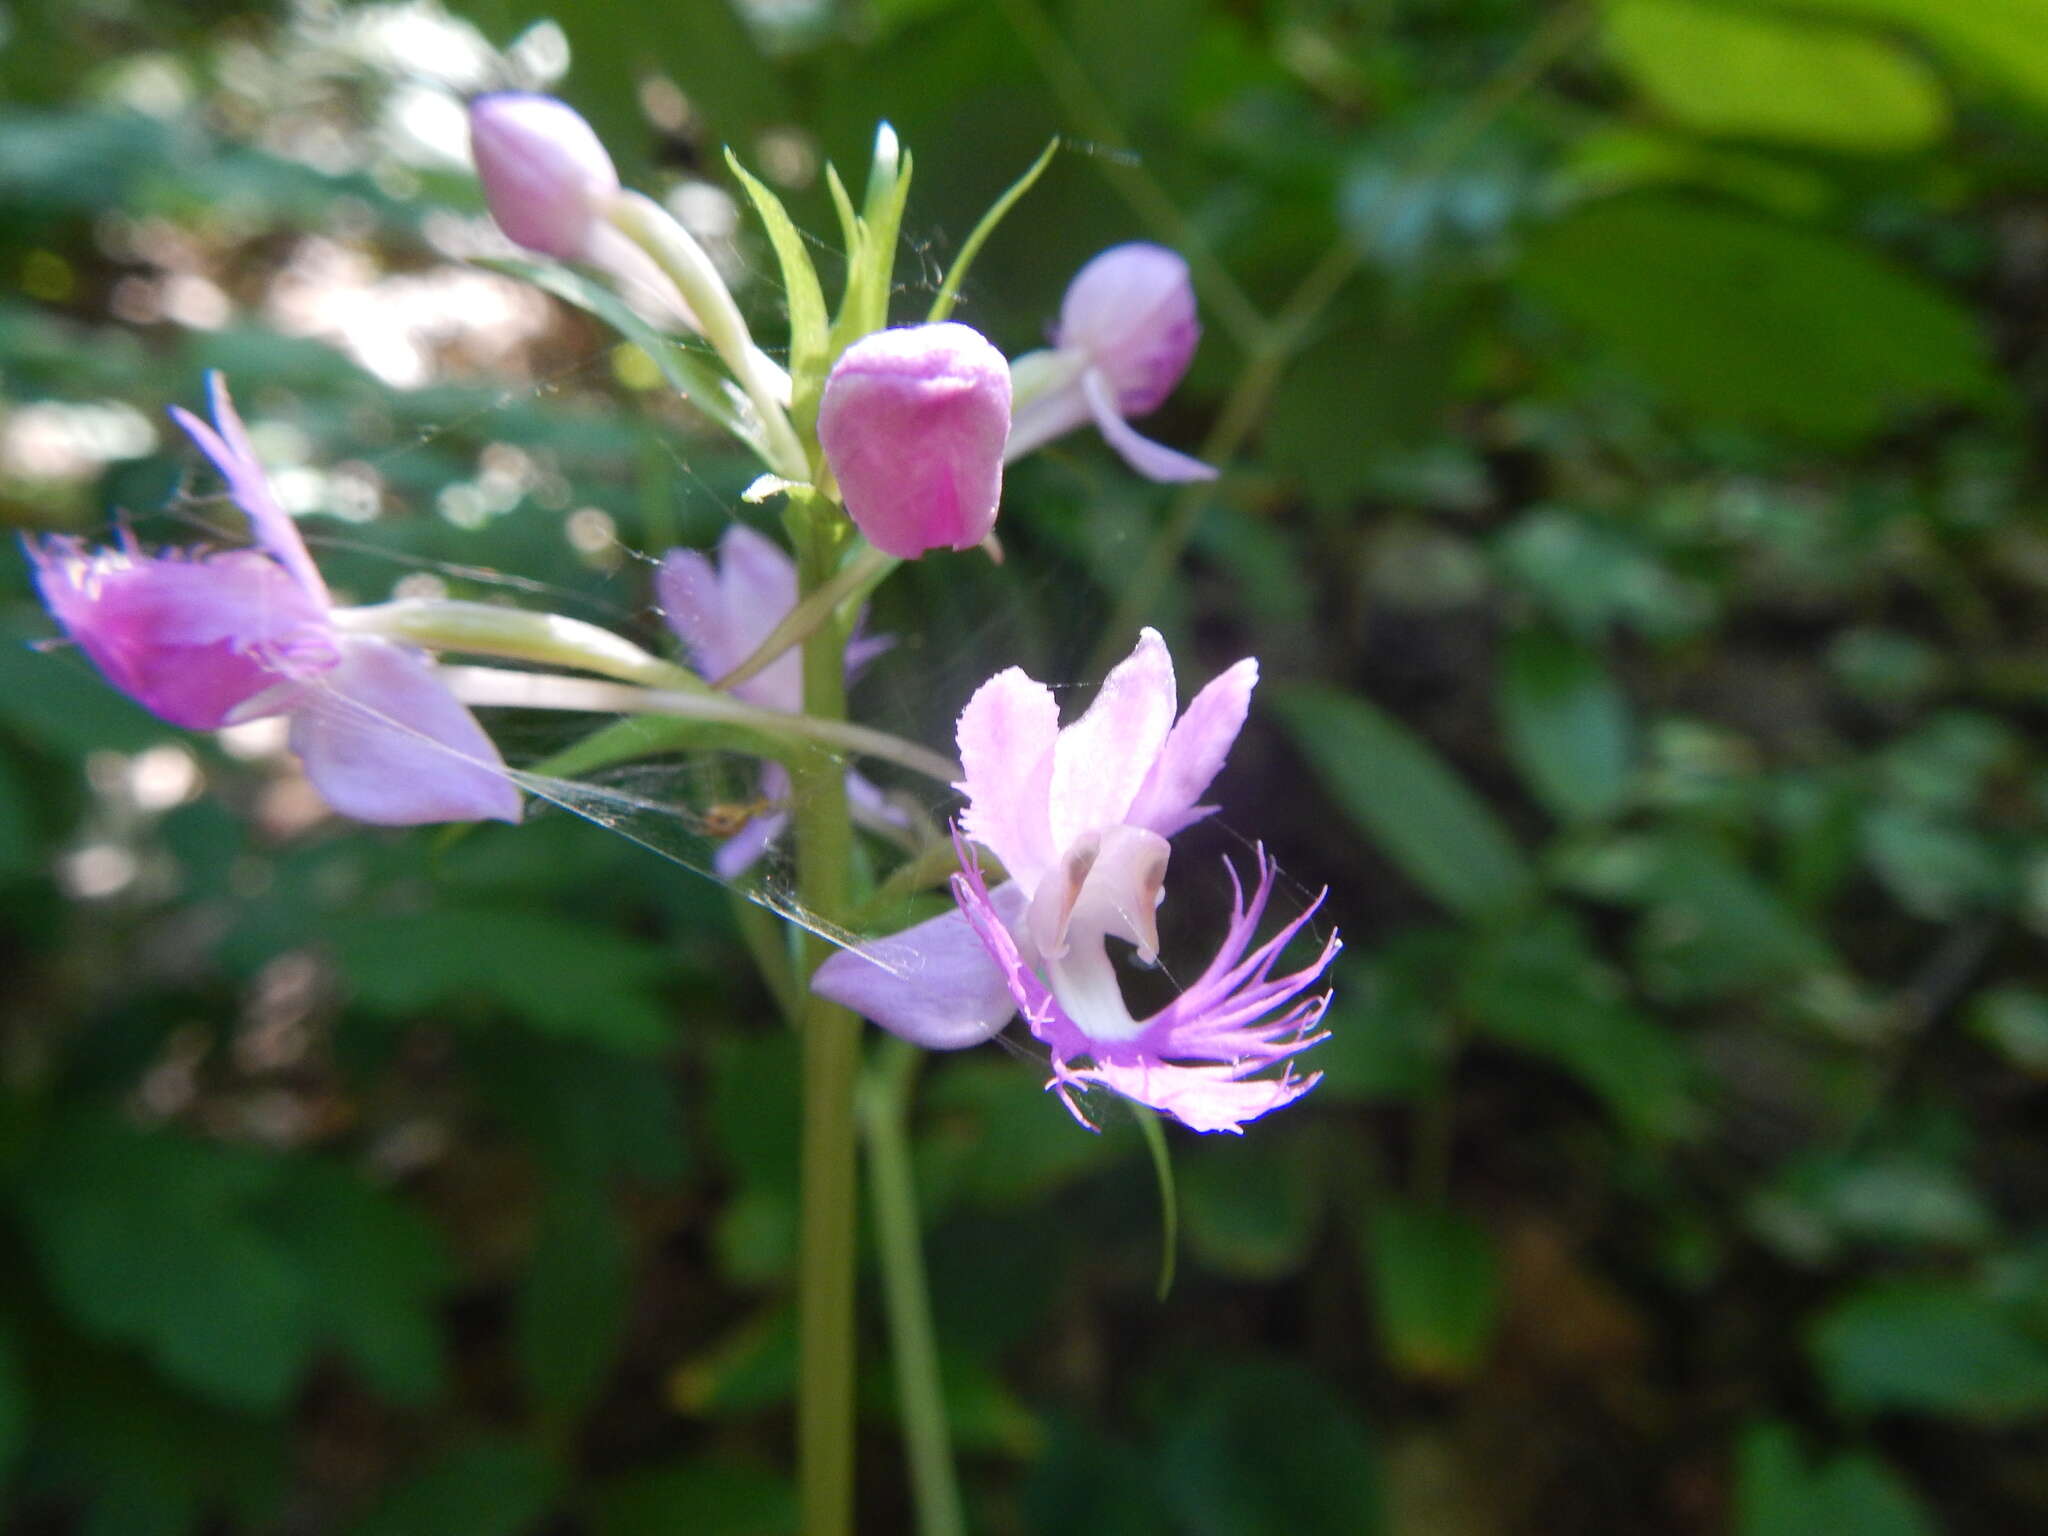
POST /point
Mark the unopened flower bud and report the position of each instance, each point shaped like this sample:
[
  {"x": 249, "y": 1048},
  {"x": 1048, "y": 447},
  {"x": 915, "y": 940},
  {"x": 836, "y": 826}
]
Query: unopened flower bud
[
  {"x": 913, "y": 422},
  {"x": 1132, "y": 311},
  {"x": 545, "y": 175},
  {"x": 1127, "y": 333}
]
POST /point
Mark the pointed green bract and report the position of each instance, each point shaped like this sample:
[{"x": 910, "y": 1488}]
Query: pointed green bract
[
  {"x": 870, "y": 242},
  {"x": 808, "y": 358},
  {"x": 949, "y": 290}
]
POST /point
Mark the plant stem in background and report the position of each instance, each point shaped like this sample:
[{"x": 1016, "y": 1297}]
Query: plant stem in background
[
  {"x": 831, "y": 1060},
  {"x": 913, "y": 1344}
]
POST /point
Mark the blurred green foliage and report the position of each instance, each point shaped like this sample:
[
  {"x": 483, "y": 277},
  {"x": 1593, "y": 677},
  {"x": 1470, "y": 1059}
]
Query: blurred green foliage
[{"x": 1634, "y": 491}]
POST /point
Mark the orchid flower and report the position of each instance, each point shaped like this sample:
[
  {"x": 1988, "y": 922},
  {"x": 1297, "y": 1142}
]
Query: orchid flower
[
  {"x": 1080, "y": 818},
  {"x": 1126, "y": 335},
  {"x": 204, "y": 640},
  {"x": 913, "y": 422},
  {"x": 722, "y": 610}
]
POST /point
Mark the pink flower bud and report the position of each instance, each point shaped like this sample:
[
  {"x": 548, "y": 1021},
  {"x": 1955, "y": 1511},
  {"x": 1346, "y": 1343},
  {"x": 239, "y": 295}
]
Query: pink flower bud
[
  {"x": 913, "y": 423},
  {"x": 1132, "y": 311},
  {"x": 544, "y": 173}
]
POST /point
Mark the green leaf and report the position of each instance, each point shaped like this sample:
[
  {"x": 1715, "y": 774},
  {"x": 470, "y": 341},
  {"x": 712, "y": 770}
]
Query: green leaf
[
  {"x": 570, "y": 1315},
  {"x": 808, "y": 358},
  {"x": 1390, "y": 1029},
  {"x": 949, "y": 290},
  {"x": 154, "y": 1240},
  {"x": 1254, "y": 1205},
  {"x": 1266, "y": 1449},
  {"x": 705, "y": 1498},
  {"x": 1567, "y": 725},
  {"x": 591, "y": 1113},
  {"x": 1722, "y": 71},
  {"x": 1539, "y": 987},
  {"x": 561, "y": 978},
  {"x": 1779, "y": 1494},
  {"x": 993, "y": 1138},
  {"x": 1737, "y": 317},
  {"x": 1712, "y": 927},
  {"x": 1817, "y": 1203},
  {"x": 488, "y": 1488},
  {"x": 2002, "y": 40},
  {"x": 1435, "y": 1288},
  {"x": 2014, "y": 1020},
  {"x": 375, "y": 1272},
  {"x": 1931, "y": 1346},
  {"x": 1401, "y": 794}
]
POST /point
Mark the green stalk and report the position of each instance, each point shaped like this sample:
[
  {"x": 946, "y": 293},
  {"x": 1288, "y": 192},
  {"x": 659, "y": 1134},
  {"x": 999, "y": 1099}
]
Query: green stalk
[
  {"x": 913, "y": 1345},
  {"x": 831, "y": 1061}
]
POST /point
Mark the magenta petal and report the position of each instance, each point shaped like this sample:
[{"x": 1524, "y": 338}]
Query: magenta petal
[
  {"x": 1102, "y": 759},
  {"x": 1155, "y": 461},
  {"x": 384, "y": 741},
  {"x": 933, "y": 984},
  {"x": 189, "y": 640},
  {"x": 1194, "y": 752},
  {"x": 235, "y": 457},
  {"x": 1006, "y": 737}
]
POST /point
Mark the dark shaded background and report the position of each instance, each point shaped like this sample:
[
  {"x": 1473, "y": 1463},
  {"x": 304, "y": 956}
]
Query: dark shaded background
[{"x": 1632, "y": 417}]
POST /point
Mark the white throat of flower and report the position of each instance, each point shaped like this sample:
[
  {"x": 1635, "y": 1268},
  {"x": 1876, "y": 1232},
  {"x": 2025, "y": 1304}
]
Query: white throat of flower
[{"x": 1108, "y": 884}]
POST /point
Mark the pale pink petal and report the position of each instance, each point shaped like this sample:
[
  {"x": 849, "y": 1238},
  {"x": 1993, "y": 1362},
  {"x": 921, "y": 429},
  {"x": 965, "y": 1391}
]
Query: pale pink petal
[
  {"x": 1155, "y": 461},
  {"x": 934, "y": 984},
  {"x": 545, "y": 174},
  {"x": 686, "y": 588},
  {"x": 384, "y": 741},
  {"x": 723, "y": 610},
  {"x": 1132, "y": 311},
  {"x": 235, "y": 457},
  {"x": 1194, "y": 752},
  {"x": 1006, "y": 737},
  {"x": 1101, "y": 760}
]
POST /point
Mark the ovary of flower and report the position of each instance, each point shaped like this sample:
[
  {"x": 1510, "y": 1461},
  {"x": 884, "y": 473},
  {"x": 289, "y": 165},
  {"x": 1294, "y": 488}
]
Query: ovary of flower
[
  {"x": 1080, "y": 819},
  {"x": 1126, "y": 335},
  {"x": 211, "y": 639},
  {"x": 722, "y": 610}
]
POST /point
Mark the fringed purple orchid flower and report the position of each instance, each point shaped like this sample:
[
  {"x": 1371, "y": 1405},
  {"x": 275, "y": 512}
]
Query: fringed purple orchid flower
[
  {"x": 1126, "y": 335},
  {"x": 721, "y": 611},
  {"x": 1079, "y": 818},
  {"x": 204, "y": 640},
  {"x": 913, "y": 422}
]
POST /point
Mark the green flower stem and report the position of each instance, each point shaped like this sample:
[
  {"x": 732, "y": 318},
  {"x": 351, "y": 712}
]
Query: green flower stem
[
  {"x": 855, "y": 580},
  {"x": 547, "y": 690},
  {"x": 648, "y": 225},
  {"x": 831, "y": 1061},
  {"x": 913, "y": 1345},
  {"x": 486, "y": 629}
]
